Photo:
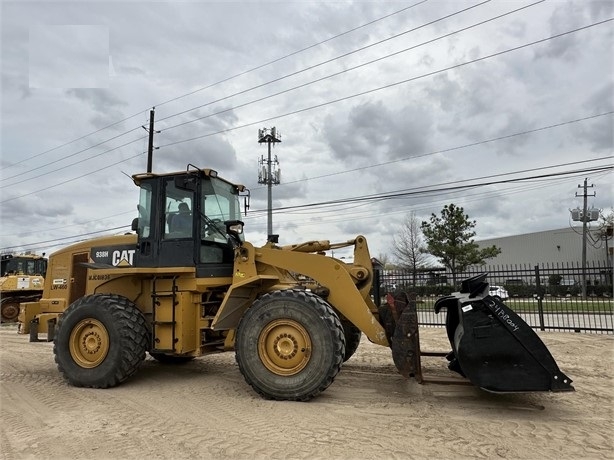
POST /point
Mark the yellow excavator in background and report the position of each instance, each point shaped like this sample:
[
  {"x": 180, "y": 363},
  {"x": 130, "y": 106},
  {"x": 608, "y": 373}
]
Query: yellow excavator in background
[
  {"x": 186, "y": 284},
  {"x": 21, "y": 280}
]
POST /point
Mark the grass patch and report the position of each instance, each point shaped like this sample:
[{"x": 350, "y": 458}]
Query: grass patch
[{"x": 549, "y": 305}]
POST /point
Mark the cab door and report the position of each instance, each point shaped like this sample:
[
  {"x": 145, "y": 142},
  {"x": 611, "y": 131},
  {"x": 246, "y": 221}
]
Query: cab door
[
  {"x": 162, "y": 241},
  {"x": 177, "y": 225}
]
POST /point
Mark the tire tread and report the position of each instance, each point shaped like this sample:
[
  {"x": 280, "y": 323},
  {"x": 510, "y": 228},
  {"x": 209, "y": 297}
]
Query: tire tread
[
  {"x": 133, "y": 333},
  {"x": 325, "y": 312}
]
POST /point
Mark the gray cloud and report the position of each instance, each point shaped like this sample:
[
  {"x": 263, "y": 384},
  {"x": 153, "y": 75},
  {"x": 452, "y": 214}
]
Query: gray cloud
[
  {"x": 107, "y": 107},
  {"x": 375, "y": 133},
  {"x": 69, "y": 56},
  {"x": 566, "y": 16},
  {"x": 157, "y": 51}
]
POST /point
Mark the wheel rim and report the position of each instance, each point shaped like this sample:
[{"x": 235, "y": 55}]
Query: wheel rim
[
  {"x": 284, "y": 347},
  {"x": 89, "y": 343},
  {"x": 10, "y": 311}
]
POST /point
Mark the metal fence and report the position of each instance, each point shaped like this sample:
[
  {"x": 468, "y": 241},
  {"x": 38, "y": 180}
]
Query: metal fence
[{"x": 547, "y": 296}]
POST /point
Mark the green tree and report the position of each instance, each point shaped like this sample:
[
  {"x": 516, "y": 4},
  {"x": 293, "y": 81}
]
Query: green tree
[
  {"x": 554, "y": 279},
  {"x": 450, "y": 239}
]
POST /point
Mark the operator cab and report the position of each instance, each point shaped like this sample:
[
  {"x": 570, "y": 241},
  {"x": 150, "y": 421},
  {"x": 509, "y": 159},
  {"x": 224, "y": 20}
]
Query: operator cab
[
  {"x": 22, "y": 265},
  {"x": 182, "y": 221}
]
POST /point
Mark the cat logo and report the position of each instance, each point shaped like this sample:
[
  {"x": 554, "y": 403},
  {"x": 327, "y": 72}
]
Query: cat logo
[{"x": 124, "y": 258}]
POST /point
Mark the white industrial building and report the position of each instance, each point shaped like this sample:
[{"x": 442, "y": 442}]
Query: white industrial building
[{"x": 559, "y": 246}]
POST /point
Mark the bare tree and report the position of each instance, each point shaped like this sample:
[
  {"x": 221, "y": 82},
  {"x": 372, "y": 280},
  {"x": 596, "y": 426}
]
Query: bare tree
[
  {"x": 409, "y": 248},
  {"x": 384, "y": 259},
  {"x": 605, "y": 223},
  {"x": 604, "y": 230}
]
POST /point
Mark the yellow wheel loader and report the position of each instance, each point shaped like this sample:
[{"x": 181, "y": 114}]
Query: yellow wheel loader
[
  {"x": 292, "y": 314},
  {"x": 21, "y": 280}
]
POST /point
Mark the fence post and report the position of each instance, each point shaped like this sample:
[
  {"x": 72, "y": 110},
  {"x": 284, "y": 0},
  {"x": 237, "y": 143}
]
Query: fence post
[{"x": 540, "y": 307}]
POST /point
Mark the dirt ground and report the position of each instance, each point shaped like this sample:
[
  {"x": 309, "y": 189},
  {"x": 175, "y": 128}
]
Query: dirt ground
[{"x": 204, "y": 409}]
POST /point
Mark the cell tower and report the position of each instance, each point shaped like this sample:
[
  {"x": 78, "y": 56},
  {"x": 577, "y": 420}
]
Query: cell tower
[{"x": 269, "y": 173}]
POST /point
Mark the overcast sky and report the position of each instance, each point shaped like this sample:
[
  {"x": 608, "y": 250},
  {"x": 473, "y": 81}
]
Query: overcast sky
[{"x": 369, "y": 97}]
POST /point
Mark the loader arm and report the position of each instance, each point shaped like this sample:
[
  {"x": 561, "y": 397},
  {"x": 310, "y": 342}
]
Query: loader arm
[{"x": 347, "y": 285}]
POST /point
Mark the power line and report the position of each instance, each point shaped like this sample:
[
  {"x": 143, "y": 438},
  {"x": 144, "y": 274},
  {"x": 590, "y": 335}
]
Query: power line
[
  {"x": 355, "y": 169},
  {"x": 403, "y": 193},
  {"x": 37, "y": 231},
  {"x": 340, "y": 215},
  {"x": 391, "y": 85},
  {"x": 66, "y": 238},
  {"x": 75, "y": 163},
  {"x": 424, "y": 205},
  {"x": 254, "y": 227},
  {"x": 272, "y": 81},
  {"x": 305, "y": 69},
  {"x": 460, "y": 147},
  {"x": 543, "y": 128},
  {"x": 73, "y": 179},
  {"x": 75, "y": 140},
  {"x": 419, "y": 190},
  {"x": 293, "y": 53},
  {"x": 372, "y": 90},
  {"x": 219, "y": 82},
  {"x": 522, "y": 188}
]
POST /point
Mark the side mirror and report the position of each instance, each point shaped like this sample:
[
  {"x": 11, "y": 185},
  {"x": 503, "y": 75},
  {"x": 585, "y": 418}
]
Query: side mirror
[
  {"x": 234, "y": 228},
  {"x": 135, "y": 224}
]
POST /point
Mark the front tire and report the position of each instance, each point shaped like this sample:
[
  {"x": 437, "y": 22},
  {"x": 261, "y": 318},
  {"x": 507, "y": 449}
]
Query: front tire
[
  {"x": 352, "y": 339},
  {"x": 290, "y": 345},
  {"x": 101, "y": 341}
]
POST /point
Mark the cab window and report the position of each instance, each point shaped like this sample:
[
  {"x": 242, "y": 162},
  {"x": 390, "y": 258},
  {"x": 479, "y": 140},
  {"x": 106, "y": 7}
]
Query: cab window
[
  {"x": 178, "y": 221},
  {"x": 144, "y": 208}
]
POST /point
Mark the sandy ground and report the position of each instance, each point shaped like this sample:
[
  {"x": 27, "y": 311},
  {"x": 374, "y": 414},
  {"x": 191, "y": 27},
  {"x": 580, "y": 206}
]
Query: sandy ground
[{"x": 204, "y": 409}]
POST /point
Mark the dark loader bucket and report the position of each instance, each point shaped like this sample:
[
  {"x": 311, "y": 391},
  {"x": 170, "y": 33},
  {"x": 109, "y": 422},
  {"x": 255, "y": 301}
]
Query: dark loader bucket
[{"x": 493, "y": 347}]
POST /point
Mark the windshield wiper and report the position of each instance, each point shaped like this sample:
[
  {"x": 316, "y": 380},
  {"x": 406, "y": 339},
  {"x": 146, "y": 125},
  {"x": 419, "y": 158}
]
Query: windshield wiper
[{"x": 210, "y": 223}]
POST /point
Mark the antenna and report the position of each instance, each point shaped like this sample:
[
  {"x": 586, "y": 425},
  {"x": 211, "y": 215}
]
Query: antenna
[{"x": 269, "y": 174}]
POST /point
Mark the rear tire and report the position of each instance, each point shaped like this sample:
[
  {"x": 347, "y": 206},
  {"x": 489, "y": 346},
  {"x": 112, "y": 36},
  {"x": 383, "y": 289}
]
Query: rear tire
[
  {"x": 101, "y": 341},
  {"x": 290, "y": 345},
  {"x": 9, "y": 309}
]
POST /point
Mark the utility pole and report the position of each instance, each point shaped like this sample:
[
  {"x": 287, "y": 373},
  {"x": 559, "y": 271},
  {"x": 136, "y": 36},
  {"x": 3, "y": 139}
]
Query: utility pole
[
  {"x": 150, "y": 146},
  {"x": 269, "y": 175},
  {"x": 585, "y": 216}
]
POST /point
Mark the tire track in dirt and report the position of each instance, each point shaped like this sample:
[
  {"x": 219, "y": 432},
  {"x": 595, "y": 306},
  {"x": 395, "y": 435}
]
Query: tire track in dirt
[
  {"x": 149, "y": 415},
  {"x": 204, "y": 409},
  {"x": 29, "y": 416}
]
